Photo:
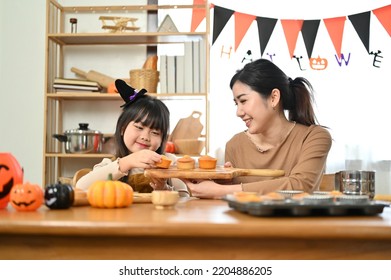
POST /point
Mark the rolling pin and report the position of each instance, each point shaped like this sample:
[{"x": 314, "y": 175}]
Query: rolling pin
[
  {"x": 383, "y": 197},
  {"x": 95, "y": 76}
]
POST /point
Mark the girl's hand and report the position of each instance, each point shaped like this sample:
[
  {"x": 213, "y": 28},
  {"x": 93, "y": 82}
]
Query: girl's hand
[
  {"x": 140, "y": 159},
  {"x": 160, "y": 184}
]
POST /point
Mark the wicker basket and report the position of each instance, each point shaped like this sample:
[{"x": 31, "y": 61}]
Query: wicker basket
[{"x": 144, "y": 78}]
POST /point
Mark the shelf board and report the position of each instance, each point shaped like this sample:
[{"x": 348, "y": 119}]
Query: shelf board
[
  {"x": 83, "y": 96},
  {"x": 124, "y": 8},
  {"x": 124, "y": 38},
  {"x": 63, "y": 155},
  {"x": 111, "y": 96}
]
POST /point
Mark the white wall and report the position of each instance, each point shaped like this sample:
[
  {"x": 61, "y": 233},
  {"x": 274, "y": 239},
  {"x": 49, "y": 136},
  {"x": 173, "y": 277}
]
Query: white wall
[
  {"x": 352, "y": 101},
  {"x": 22, "y": 50}
]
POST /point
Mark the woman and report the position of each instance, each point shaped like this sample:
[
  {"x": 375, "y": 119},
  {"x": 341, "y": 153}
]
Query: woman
[
  {"x": 141, "y": 135},
  {"x": 298, "y": 145}
]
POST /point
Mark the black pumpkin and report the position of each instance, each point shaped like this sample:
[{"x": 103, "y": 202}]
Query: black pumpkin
[{"x": 59, "y": 196}]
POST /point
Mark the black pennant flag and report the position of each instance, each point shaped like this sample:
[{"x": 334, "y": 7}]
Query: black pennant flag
[
  {"x": 361, "y": 24},
  {"x": 265, "y": 30},
  {"x": 220, "y": 19},
  {"x": 309, "y": 31}
]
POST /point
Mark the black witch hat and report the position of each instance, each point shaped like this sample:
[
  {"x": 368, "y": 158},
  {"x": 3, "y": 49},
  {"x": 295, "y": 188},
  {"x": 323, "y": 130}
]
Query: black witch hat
[{"x": 128, "y": 94}]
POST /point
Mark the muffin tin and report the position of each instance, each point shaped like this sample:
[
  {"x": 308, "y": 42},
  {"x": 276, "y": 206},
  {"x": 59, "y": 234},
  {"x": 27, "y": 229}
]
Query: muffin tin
[{"x": 312, "y": 205}]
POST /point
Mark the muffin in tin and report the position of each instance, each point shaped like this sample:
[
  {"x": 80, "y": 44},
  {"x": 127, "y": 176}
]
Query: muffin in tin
[
  {"x": 353, "y": 199},
  {"x": 289, "y": 193},
  {"x": 318, "y": 199}
]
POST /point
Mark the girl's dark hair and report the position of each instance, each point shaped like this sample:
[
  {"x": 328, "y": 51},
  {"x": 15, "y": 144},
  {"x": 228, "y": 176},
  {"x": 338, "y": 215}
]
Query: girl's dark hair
[
  {"x": 263, "y": 76},
  {"x": 150, "y": 112}
]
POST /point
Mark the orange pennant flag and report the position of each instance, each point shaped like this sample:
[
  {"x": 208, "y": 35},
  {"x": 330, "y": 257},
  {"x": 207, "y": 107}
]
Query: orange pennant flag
[
  {"x": 335, "y": 27},
  {"x": 384, "y": 16},
  {"x": 242, "y": 24},
  {"x": 292, "y": 28},
  {"x": 198, "y": 15}
]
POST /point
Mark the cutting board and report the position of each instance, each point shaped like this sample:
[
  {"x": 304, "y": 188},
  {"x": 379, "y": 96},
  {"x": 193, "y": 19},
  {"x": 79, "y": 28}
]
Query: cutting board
[
  {"x": 188, "y": 128},
  {"x": 95, "y": 76},
  {"x": 219, "y": 172},
  {"x": 81, "y": 198}
]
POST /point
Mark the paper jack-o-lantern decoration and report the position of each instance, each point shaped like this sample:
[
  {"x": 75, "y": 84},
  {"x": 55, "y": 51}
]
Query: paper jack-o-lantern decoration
[
  {"x": 10, "y": 174},
  {"x": 318, "y": 63},
  {"x": 26, "y": 197}
]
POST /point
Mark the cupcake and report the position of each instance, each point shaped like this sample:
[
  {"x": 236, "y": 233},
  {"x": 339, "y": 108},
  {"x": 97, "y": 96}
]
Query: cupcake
[
  {"x": 300, "y": 196},
  {"x": 185, "y": 162},
  {"x": 164, "y": 163},
  {"x": 247, "y": 197},
  {"x": 289, "y": 193},
  {"x": 273, "y": 196},
  {"x": 207, "y": 162}
]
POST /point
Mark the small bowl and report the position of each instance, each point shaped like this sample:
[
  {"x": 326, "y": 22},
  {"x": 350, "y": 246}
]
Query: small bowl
[{"x": 164, "y": 199}]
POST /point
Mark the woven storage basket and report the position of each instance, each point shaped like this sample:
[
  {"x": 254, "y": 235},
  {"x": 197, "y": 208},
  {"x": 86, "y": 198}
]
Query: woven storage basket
[{"x": 144, "y": 78}]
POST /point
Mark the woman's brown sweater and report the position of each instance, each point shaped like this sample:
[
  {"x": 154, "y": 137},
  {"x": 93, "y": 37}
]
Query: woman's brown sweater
[{"x": 302, "y": 155}]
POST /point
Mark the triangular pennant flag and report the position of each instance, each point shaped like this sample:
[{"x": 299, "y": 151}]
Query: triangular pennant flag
[
  {"x": 198, "y": 15},
  {"x": 309, "y": 31},
  {"x": 242, "y": 24},
  {"x": 384, "y": 16},
  {"x": 265, "y": 30},
  {"x": 220, "y": 19},
  {"x": 335, "y": 27},
  {"x": 291, "y": 27},
  {"x": 167, "y": 25},
  {"x": 361, "y": 24}
]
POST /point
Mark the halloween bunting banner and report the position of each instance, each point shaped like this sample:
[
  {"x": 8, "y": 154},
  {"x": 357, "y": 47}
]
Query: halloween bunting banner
[{"x": 293, "y": 27}]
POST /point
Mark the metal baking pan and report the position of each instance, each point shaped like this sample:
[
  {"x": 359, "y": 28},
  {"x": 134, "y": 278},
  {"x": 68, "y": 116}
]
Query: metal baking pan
[{"x": 300, "y": 208}]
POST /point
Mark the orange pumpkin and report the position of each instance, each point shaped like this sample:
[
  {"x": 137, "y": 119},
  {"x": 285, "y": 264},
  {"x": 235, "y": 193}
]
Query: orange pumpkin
[
  {"x": 111, "y": 88},
  {"x": 26, "y": 197},
  {"x": 110, "y": 194},
  {"x": 10, "y": 174}
]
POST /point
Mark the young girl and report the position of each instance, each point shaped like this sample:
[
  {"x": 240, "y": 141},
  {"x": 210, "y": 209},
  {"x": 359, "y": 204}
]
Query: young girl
[
  {"x": 293, "y": 142},
  {"x": 141, "y": 135}
]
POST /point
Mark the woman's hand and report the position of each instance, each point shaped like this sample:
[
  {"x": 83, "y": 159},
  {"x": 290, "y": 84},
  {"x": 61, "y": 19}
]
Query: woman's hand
[{"x": 209, "y": 189}]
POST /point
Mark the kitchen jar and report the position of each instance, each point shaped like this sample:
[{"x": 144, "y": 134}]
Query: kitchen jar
[{"x": 355, "y": 182}]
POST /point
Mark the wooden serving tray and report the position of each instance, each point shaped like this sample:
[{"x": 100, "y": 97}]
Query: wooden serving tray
[{"x": 219, "y": 172}]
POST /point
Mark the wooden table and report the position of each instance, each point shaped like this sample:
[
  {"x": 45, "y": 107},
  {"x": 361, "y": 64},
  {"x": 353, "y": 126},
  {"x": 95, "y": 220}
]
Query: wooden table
[{"x": 195, "y": 229}]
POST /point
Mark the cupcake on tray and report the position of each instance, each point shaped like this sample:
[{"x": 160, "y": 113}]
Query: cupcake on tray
[
  {"x": 185, "y": 162},
  {"x": 207, "y": 162}
]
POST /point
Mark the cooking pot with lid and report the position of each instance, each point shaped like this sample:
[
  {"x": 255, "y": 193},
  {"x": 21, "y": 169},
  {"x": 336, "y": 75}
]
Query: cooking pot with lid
[{"x": 81, "y": 140}]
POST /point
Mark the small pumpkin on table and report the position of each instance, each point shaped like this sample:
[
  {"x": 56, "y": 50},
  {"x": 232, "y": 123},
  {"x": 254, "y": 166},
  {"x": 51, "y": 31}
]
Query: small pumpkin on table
[
  {"x": 26, "y": 197},
  {"x": 110, "y": 194},
  {"x": 59, "y": 196}
]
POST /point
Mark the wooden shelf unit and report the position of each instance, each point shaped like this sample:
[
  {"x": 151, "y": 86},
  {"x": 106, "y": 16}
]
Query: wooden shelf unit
[{"x": 57, "y": 39}]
